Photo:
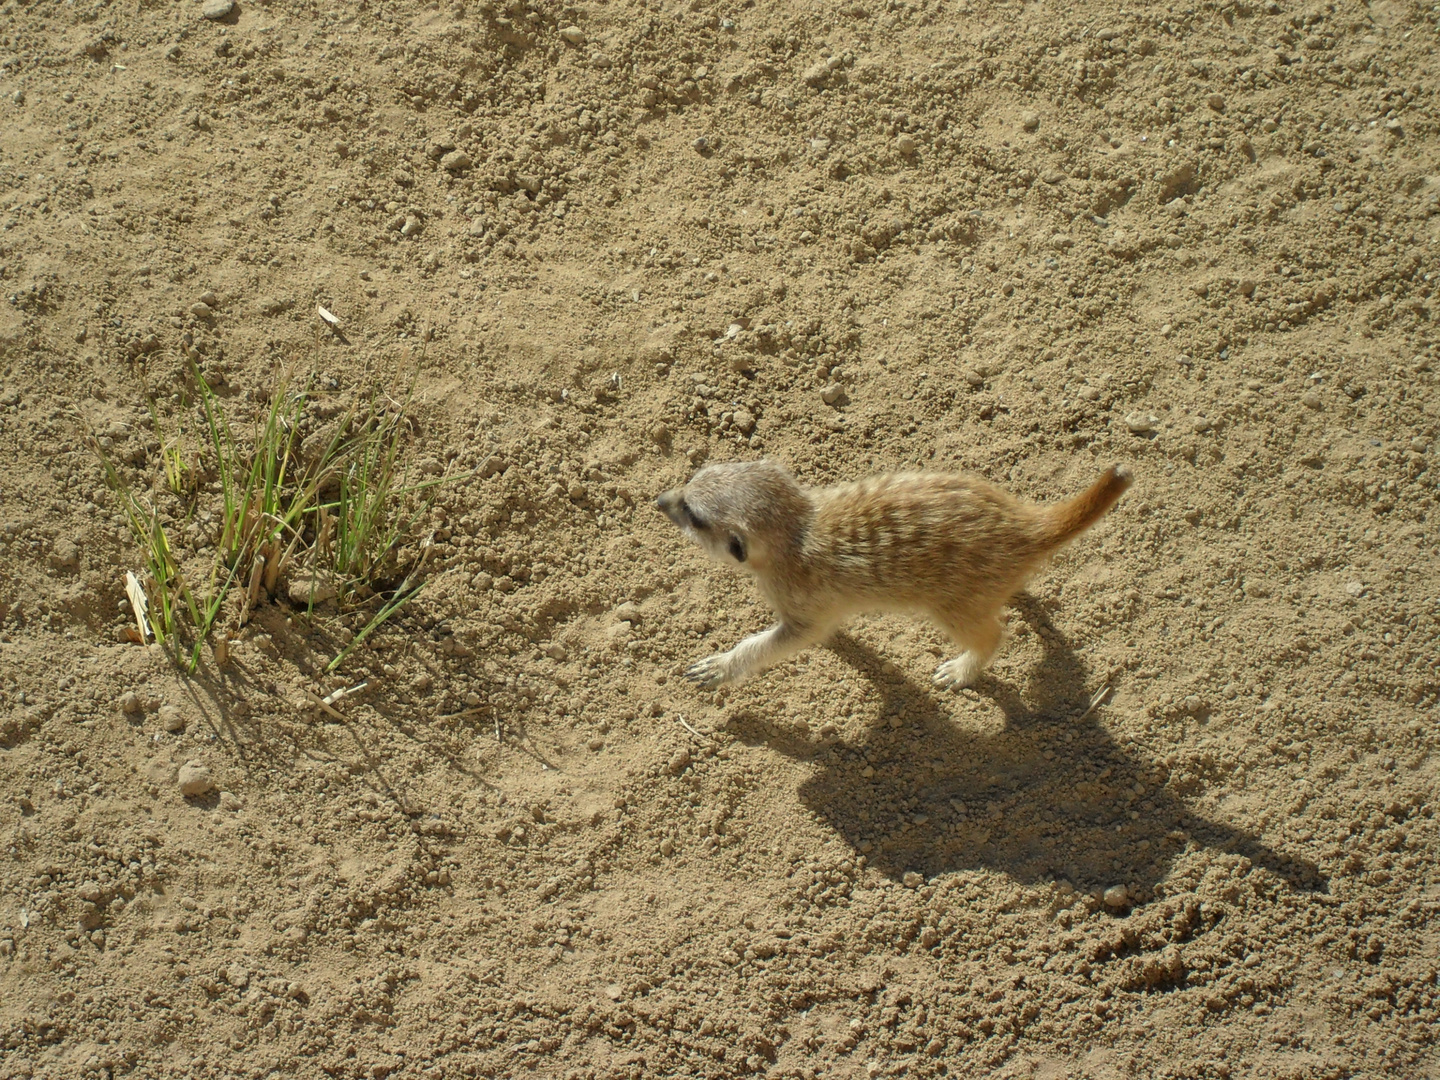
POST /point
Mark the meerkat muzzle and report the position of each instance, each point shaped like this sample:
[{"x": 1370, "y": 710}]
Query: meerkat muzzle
[{"x": 668, "y": 503}]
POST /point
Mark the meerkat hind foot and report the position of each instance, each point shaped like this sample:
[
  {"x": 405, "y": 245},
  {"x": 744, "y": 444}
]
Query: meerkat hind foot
[{"x": 959, "y": 672}]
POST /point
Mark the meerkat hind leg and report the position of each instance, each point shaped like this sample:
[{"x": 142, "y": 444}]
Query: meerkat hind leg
[
  {"x": 980, "y": 640},
  {"x": 752, "y": 655}
]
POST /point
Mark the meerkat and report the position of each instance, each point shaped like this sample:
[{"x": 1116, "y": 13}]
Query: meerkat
[{"x": 949, "y": 546}]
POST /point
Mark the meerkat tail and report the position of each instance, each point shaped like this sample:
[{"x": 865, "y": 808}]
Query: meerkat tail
[{"x": 1068, "y": 520}]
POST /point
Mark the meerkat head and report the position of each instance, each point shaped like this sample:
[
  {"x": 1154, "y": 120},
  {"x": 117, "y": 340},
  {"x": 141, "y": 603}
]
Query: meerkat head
[{"x": 745, "y": 513}]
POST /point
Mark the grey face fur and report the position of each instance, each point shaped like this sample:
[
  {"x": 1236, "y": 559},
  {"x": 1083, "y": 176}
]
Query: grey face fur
[{"x": 727, "y": 545}]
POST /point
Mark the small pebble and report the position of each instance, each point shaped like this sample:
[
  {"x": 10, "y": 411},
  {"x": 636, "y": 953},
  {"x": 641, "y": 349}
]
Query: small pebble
[
  {"x": 817, "y": 73},
  {"x": 411, "y": 227},
  {"x": 834, "y": 394},
  {"x": 1216, "y": 102},
  {"x": 195, "y": 780},
  {"x": 573, "y": 34},
  {"x": 202, "y": 310},
  {"x": 1116, "y": 896},
  {"x": 217, "y": 9},
  {"x": 172, "y": 719},
  {"x": 229, "y": 801},
  {"x": 1142, "y": 423},
  {"x": 1029, "y": 120},
  {"x": 130, "y": 703}
]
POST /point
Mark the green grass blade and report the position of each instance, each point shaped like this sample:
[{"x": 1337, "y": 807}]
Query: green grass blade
[{"x": 400, "y": 598}]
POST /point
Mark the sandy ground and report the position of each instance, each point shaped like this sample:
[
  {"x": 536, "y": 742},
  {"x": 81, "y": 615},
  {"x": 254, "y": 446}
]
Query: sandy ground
[{"x": 609, "y": 242}]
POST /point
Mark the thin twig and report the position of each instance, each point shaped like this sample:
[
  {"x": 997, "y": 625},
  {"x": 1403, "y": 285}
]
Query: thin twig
[
  {"x": 337, "y": 696},
  {"x": 687, "y": 727},
  {"x": 319, "y": 703},
  {"x": 1100, "y": 695}
]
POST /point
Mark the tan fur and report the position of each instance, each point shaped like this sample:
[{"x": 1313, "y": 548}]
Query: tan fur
[{"x": 952, "y": 547}]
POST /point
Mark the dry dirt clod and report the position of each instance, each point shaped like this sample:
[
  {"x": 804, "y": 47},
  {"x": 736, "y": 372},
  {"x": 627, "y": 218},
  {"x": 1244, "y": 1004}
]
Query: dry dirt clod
[
  {"x": 172, "y": 719},
  {"x": 457, "y": 161},
  {"x": 131, "y": 703},
  {"x": 216, "y": 9},
  {"x": 194, "y": 779},
  {"x": 307, "y": 590},
  {"x": 1116, "y": 896},
  {"x": 65, "y": 555}
]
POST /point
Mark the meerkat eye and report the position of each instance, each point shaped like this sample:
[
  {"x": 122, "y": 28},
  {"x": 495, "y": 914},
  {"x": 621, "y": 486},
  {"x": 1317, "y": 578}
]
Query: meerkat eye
[
  {"x": 737, "y": 548},
  {"x": 695, "y": 519}
]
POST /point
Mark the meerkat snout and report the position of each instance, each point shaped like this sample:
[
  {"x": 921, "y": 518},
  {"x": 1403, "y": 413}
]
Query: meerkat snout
[{"x": 952, "y": 547}]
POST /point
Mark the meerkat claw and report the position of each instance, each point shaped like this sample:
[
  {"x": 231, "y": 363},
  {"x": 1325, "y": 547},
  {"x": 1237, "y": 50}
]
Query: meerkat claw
[
  {"x": 955, "y": 674},
  {"x": 709, "y": 672}
]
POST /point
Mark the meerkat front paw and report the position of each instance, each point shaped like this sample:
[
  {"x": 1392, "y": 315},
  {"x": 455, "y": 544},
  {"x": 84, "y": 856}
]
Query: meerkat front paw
[
  {"x": 958, "y": 672},
  {"x": 710, "y": 672}
]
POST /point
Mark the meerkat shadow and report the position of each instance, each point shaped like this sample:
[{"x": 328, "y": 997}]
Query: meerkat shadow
[{"x": 1046, "y": 797}]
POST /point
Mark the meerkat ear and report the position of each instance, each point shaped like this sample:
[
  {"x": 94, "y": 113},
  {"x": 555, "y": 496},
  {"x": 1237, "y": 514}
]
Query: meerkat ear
[{"x": 737, "y": 548}]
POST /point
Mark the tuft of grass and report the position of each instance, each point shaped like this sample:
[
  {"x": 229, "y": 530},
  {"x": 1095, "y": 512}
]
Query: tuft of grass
[
  {"x": 376, "y": 506},
  {"x": 170, "y": 594},
  {"x": 272, "y": 517}
]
